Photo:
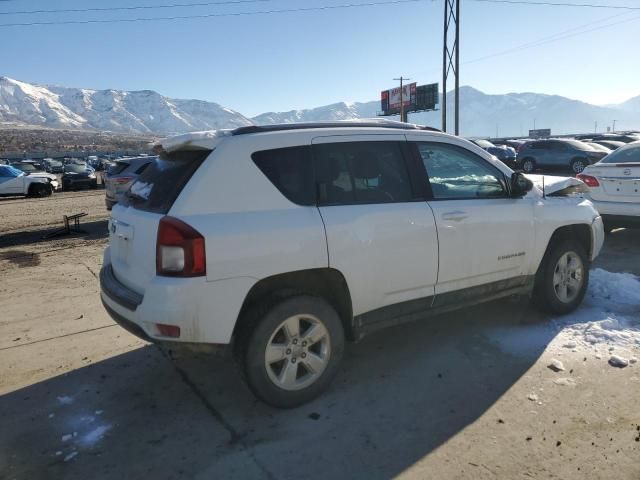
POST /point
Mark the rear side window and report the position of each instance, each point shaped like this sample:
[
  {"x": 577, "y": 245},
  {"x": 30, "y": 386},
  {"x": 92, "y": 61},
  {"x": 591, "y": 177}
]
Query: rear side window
[
  {"x": 159, "y": 185},
  {"x": 290, "y": 170},
  {"x": 361, "y": 172}
]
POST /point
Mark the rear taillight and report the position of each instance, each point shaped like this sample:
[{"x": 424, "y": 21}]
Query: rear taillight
[
  {"x": 588, "y": 180},
  {"x": 122, "y": 180},
  {"x": 180, "y": 250}
]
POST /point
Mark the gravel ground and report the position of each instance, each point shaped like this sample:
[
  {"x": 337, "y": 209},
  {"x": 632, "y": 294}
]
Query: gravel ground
[
  {"x": 40, "y": 215},
  {"x": 467, "y": 395}
]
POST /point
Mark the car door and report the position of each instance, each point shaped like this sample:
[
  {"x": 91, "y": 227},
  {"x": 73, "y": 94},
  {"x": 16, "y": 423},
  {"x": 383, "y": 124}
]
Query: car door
[
  {"x": 380, "y": 232},
  {"x": 484, "y": 236},
  {"x": 11, "y": 181}
]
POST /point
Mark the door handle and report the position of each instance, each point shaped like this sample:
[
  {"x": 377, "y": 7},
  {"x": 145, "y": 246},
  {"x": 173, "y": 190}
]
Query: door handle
[{"x": 456, "y": 216}]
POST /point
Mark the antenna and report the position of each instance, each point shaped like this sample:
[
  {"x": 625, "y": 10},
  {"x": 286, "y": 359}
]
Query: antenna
[{"x": 544, "y": 195}]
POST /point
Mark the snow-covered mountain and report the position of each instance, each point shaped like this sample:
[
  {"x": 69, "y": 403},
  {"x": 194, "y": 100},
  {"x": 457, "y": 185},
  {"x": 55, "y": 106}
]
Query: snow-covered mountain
[
  {"x": 143, "y": 111},
  {"x": 146, "y": 111},
  {"x": 512, "y": 114}
]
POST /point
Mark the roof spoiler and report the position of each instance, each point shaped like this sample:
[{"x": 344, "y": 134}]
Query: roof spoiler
[{"x": 207, "y": 140}]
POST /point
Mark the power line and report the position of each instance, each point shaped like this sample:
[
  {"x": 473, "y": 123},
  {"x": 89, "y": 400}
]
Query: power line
[
  {"x": 560, "y": 4},
  {"x": 552, "y": 39},
  {"x": 211, "y": 15},
  {"x": 137, "y": 7}
]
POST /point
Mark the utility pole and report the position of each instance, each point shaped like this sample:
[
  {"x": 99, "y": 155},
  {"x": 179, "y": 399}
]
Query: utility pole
[
  {"x": 534, "y": 123},
  {"x": 596, "y": 128},
  {"x": 614, "y": 126},
  {"x": 403, "y": 115},
  {"x": 451, "y": 61}
]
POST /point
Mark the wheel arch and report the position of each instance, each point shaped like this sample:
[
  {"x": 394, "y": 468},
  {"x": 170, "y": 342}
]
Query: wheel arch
[
  {"x": 579, "y": 231},
  {"x": 327, "y": 283}
]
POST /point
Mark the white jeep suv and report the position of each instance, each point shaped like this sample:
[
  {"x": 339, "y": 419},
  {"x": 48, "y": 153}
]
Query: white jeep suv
[{"x": 285, "y": 240}]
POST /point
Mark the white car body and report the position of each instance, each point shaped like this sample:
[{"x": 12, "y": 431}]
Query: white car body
[
  {"x": 417, "y": 253},
  {"x": 50, "y": 177},
  {"x": 614, "y": 186},
  {"x": 20, "y": 184}
]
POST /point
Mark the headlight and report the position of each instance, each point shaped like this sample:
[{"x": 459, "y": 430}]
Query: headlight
[{"x": 92, "y": 175}]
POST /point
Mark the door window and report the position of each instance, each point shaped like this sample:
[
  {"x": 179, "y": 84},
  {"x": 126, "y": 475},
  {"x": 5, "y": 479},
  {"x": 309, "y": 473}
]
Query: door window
[
  {"x": 455, "y": 173},
  {"x": 361, "y": 173}
]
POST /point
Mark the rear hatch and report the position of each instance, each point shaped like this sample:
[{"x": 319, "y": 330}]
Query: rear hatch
[
  {"x": 133, "y": 226},
  {"x": 619, "y": 182}
]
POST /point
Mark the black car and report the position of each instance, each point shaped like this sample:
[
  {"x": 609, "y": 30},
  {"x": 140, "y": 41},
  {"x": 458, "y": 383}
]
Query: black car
[{"x": 78, "y": 176}]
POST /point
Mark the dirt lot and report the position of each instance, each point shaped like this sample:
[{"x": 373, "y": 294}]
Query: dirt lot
[{"x": 466, "y": 395}]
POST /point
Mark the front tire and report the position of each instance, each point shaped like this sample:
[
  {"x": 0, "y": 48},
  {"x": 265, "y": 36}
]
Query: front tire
[
  {"x": 528, "y": 165},
  {"x": 290, "y": 350},
  {"x": 562, "y": 279}
]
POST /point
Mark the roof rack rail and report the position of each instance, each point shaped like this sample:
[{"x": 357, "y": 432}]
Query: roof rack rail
[{"x": 336, "y": 124}]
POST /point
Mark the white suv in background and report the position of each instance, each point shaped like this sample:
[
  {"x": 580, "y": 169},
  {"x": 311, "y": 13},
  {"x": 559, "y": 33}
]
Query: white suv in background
[
  {"x": 614, "y": 186},
  {"x": 286, "y": 240}
]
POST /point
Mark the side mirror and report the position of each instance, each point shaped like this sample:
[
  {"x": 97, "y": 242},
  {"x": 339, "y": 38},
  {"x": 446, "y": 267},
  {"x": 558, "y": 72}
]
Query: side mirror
[{"x": 520, "y": 185}]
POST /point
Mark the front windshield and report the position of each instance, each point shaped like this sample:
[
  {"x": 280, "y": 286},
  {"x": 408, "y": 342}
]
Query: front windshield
[
  {"x": 75, "y": 168},
  {"x": 25, "y": 167},
  {"x": 628, "y": 154}
]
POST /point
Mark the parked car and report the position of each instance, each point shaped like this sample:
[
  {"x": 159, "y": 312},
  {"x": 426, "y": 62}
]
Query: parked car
[
  {"x": 598, "y": 147},
  {"x": 614, "y": 187},
  {"x": 53, "y": 166},
  {"x": 624, "y": 138},
  {"x": 121, "y": 175},
  {"x": 285, "y": 240},
  {"x": 31, "y": 170},
  {"x": 506, "y": 155},
  {"x": 557, "y": 153},
  {"x": 16, "y": 182},
  {"x": 610, "y": 144},
  {"x": 78, "y": 176}
]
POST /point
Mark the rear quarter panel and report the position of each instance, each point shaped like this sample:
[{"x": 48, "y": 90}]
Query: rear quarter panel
[{"x": 250, "y": 228}]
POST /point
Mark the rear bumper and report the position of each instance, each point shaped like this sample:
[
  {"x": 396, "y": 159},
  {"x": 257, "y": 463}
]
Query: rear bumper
[
  {"x": 206, "y": 312},
  {"x": 617, "y": 209}
]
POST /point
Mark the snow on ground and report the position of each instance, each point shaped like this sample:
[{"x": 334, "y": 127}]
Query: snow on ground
[{"x": 608, "y": 321}]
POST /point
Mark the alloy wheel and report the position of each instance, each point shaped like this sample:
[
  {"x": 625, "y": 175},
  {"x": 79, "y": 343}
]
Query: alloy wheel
[{"x": 298, "y": 352}]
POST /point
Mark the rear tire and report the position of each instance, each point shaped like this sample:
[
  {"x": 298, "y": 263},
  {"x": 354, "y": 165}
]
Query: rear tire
[
  {"x": 578, "y": 165},
  {"x": 289, "y": 350},
  {"x": 562, "y": 278}
]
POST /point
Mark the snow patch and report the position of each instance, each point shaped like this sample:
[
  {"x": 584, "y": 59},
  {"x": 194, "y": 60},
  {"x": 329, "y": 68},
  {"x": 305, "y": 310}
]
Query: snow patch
[
  {"x": 65, "y": 400},
  {"x": 609, "y": 318},
  {"x": 95, "y": 435}
]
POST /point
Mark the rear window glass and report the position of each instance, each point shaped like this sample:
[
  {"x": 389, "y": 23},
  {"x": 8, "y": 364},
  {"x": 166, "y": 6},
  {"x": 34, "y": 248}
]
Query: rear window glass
[
  {"x": 142, "y": 168},
  {"x": 117, "y": 168},
  {"x": 290, "y": 170},
  {"x": 157, "y": 188},
  {"x": 630, "y": 154}
]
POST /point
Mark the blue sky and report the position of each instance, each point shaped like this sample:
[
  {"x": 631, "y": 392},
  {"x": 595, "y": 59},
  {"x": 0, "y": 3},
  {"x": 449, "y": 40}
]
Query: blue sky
[{"x": 300, "y": 60}]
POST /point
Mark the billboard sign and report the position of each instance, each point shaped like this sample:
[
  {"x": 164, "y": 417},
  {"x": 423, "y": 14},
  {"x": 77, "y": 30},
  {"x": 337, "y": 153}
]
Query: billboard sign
[
  {"x": 414, "y": 98},
  {"x": 540, "y": 133},
  {"x": 408, "y": 96}
]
